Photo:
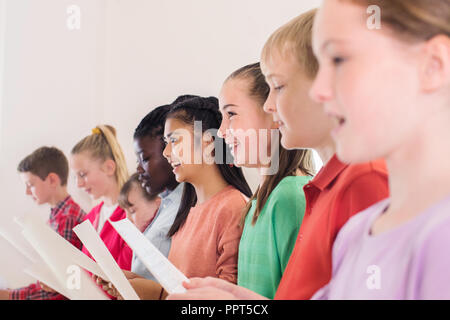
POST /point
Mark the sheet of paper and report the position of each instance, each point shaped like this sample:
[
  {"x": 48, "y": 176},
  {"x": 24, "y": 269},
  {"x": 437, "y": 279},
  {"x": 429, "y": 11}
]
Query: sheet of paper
[
  {"x": 42, "y": 273},
  {"x": 162, "y": 269},
  {"x": 77, "y": 284},
  {"x": 97, "y": 248},
  {"x": 61, "y": 244},
  {"x": 11, "y": 232}
]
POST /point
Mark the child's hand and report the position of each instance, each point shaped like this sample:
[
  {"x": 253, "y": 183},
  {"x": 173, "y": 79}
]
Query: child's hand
[
  {"x": 4, "y": 294},
  {"x": 108, "y": 287},
  {"x": 214, "y": 288}
]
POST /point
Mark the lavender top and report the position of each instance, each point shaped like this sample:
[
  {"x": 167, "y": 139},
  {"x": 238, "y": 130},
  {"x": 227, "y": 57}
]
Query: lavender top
[{"x": 411, "y": 261}]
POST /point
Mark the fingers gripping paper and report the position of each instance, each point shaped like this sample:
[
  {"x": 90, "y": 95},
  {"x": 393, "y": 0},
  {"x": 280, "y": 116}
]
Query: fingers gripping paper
[
  {"x": 162, "y": 269},
  {"x": 96, "y": 247}
]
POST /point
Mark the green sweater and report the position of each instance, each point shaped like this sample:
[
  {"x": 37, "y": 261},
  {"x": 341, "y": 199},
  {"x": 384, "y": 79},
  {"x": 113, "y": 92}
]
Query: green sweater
[{"x": 265, "y": 247}]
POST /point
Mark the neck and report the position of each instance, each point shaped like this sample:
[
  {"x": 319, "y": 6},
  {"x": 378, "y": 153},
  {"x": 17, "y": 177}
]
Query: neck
[
  {"x": 208, "y": 183},
  {"x": 419, "y": 170},
  {"x": 59, "y": 196},
  {"x": 112, "y": 196},
  {"x": 326, "y": 150},
  {"x": 172, "y": 186}
]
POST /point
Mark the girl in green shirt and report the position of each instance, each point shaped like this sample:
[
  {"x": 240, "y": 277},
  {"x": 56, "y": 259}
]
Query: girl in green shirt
[{"x": 274, "y": 214}]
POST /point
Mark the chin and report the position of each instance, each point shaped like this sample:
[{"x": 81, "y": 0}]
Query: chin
[{"x": 288, "y": 144}]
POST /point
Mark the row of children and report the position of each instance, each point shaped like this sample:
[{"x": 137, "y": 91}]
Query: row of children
[{"x": 328, "y": 83}]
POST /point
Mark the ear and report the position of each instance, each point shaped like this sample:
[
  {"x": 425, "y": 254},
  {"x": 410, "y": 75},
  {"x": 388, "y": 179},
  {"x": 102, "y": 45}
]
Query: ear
[
  {"x": 53, "y": 179},
  {"x": 109, "y": 167},
  {"x": 435, "y": 71}
]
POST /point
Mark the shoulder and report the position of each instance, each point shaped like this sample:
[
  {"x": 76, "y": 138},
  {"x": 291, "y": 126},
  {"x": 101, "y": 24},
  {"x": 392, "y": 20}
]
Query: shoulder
[
  {"x": 353, "y": 230},
  {"x": 231, "y": 198},
  {"x": 354, "y": 223},
  {"x": 435, "y": 231},
  {"x": 362, "y": 185},
  {"x": 72, "y": 210},
  {"x": 354, "y": 172},
  {"x": 227, "y": 207},
  {"x": 288, "y": 189},
  {"x": 95, "y": 211}
]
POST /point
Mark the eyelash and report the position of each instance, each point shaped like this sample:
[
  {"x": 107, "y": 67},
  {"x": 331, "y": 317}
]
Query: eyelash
[
  {"x": 172, "y": 140},
  {"x": 230, "y": 114},
  {"x": 338, "y": 60}
]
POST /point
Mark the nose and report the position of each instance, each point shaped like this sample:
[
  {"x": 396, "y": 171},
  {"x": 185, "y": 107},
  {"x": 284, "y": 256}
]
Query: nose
[
  {"x": 222, "y": 129},
  {"x": 270, "y": 105},
  {"x": 321, "y": 90},
  {"x": 139, "y": 168},
  {"x": 28, "y": 191},
  {"x": 80, "y": 182},
  {"x": 167, "y": 151}
]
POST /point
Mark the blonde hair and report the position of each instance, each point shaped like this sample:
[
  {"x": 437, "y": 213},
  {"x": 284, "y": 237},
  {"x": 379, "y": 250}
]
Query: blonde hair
[
  {"x": 414, "y": 20},
  {"x": 295, "y": 37},
  {"x": 102, "y": 144}
]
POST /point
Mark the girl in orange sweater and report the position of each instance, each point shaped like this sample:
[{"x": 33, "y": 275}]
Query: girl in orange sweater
[{"x": 206, "y": 231}]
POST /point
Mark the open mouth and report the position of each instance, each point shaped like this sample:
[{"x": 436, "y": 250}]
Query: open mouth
[
  {"x": 280, "y": 124},
  {"x": 175, "y": 165},
  {"x": 233, "y": 147},
  {"x": 340, "y": 123}
]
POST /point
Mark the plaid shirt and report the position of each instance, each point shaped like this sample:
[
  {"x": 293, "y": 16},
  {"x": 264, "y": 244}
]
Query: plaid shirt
[{"x": 63, "y": 218}]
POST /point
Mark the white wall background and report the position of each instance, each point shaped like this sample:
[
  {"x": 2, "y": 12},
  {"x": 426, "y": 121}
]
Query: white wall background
[{"x": 128, "y": 57}]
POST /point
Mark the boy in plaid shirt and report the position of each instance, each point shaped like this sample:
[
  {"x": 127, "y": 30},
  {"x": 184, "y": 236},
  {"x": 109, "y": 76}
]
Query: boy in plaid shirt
[{"x": 45, "y": 173}]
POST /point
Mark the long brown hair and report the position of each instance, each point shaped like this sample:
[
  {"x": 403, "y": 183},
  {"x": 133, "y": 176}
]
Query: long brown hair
[{"x": 290, "y": 161}]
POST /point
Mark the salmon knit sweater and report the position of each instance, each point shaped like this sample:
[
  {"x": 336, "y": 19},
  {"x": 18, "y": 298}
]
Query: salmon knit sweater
[{"x": 207, "y": 244}]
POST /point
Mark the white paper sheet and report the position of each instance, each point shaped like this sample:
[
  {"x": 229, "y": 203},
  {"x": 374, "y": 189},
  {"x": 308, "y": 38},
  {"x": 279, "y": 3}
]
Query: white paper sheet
[
  {"x": 62, "y": 245},
  {"x": 60, "y": 262},
  {"x": 42, "y": 273},
  {"x": 96, "y": 247},
  {"x": 162, "y": 269},
  {"x": 11, "y": 232}
]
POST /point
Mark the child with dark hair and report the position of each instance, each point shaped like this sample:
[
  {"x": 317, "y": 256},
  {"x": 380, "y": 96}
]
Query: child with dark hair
[
  {"x": 156, "y": 177},
  {"x": 45, "y": 174}
]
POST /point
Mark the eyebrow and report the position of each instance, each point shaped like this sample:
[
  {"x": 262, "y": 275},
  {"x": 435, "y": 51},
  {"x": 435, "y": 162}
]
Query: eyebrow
[
  {"x": 170, "y": 134},
  {"x": 329, "y": 42},
  {"x": 228, "y": 106}
]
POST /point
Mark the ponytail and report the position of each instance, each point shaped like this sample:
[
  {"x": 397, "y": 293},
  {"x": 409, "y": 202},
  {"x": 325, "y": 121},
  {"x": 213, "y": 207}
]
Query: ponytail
[{"x": 102, "y": 144}]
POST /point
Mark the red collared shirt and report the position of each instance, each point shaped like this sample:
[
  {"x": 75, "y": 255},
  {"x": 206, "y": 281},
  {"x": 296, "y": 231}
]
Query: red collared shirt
[
  {"x": 338, "y": 192},
  {"x": 66, "y": 215}
]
